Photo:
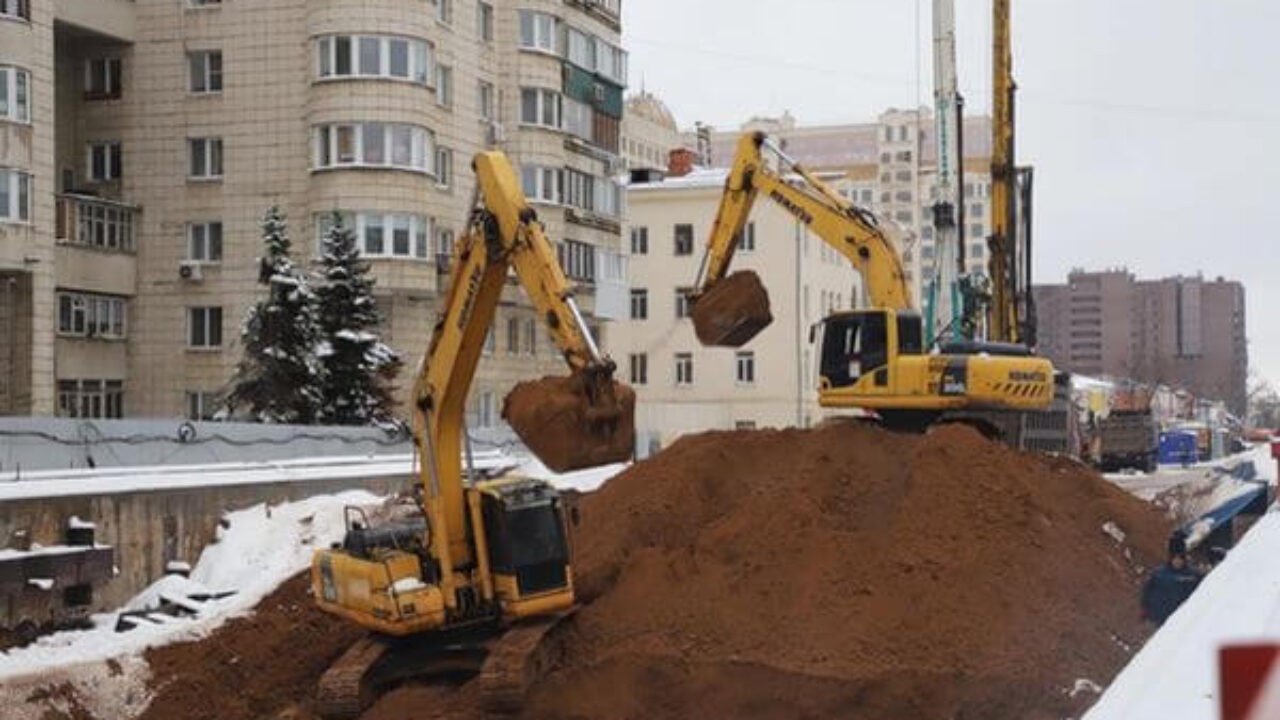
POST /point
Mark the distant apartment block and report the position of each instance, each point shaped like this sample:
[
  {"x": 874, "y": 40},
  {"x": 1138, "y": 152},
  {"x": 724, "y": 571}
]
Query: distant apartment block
[
  {"x": 141, "y": 141},
  {"x": 1186, "y": 332}
]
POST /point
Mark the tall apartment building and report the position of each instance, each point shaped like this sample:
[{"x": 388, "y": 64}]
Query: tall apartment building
[
  {"x": 684, "y": 387},
  {"x": 1186, "y": 332},
  {"x": 889, "y": 167},
  {"x": 141, "y": 141}
]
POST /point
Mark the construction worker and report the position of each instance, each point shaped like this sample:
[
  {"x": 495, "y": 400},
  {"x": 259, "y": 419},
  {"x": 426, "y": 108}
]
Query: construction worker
[{"x": 1171, "y": 584}]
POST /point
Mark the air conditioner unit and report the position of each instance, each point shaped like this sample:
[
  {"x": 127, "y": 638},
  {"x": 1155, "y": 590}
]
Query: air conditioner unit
[{"x": 191, "y": 271}]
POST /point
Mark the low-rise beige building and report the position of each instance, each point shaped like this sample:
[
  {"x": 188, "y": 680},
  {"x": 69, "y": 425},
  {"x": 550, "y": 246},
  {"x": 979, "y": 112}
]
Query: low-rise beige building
[
  {"x": 141, "y": 142},
  {"x": 649, "y": 132},
  {"x": 685, "y": 387}
]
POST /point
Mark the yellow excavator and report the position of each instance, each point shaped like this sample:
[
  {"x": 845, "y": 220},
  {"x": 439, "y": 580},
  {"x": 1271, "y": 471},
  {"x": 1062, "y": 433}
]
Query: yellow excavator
[
  {"x": 875, "y": 358},
  {"x": 475, "y": 577}
]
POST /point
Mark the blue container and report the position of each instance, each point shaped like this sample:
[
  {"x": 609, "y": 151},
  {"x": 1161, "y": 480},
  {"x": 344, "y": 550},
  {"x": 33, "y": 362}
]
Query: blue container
[{"x": 1178, "y": 448}]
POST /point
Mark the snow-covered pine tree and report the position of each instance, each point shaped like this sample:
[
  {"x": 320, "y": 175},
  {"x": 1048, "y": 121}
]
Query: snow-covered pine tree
[
  {"x": 279, "y": 378},
  {"x": 358, "y": 367}
]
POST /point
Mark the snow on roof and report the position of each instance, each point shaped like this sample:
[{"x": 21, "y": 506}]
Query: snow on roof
[{"x": 699, "y": 177}]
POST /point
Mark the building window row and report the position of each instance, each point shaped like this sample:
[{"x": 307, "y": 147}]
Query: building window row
[
  {"x": 15, "y": 196},
  {"x": 15, "y": 95},
  {"x": 390, "y": 145},
  {"x": 16, "y": 9},
  {"x": 573, "y": 188},
  {"x": 374, "y": 56},
  {"x": 385, "y": 235},
  {"x": 91, "y": 316},
  {"x": 578, "y": 259},
  {"x": 543, "y": 32},
  {"x": 91, "y": 398}
]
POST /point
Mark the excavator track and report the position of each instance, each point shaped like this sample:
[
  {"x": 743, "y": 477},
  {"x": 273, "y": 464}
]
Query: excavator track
[
  {"x": 348, "y": 687},
  {"x": 517, "y": 659}
]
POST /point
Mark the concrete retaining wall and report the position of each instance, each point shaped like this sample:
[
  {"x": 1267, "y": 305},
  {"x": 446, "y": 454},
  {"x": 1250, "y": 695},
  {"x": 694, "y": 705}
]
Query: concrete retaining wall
[{"x": 148, "y": 529}]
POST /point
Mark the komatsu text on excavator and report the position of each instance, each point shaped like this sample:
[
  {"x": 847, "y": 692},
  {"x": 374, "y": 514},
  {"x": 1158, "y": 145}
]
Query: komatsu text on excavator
[
  {"x": 876, "y": 358},
  {"x": 472, "y": 581}
]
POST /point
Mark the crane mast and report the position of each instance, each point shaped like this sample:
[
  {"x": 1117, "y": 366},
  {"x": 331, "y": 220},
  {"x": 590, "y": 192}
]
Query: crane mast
[
  {"x": 943, "y": 319},
  {"x": 1003, "y": 242}
]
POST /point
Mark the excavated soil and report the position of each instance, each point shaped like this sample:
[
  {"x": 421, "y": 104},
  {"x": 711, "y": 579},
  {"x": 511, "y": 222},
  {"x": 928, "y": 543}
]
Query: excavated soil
[
  {"x": 733, "y": 311},
  {"x": 840, "y": 572},
  {"x": 261, "y": 667},
  {"x": 557, "y": 421}
]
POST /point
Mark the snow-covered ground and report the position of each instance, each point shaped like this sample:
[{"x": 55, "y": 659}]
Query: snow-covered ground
[
  {"x": 258, "y": 549},
  {"x": 1175, "y": 676},
  {"x": 1190, "y": 492}
]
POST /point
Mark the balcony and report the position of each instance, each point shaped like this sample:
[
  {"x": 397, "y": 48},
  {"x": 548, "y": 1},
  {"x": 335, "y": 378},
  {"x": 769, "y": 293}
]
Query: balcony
[
  {"x": 113, "y": 18},
  {"x": 96, "y": 241}
]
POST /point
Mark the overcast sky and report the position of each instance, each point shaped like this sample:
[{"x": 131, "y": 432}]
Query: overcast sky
[{"x": 1153, "y": 125}]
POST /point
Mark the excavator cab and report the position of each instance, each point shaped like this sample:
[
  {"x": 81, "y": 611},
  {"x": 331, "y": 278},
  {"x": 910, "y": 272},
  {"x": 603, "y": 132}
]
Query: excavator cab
[
  {"x": 528, "y": 546},
  {"x": 858, "y": 343}
]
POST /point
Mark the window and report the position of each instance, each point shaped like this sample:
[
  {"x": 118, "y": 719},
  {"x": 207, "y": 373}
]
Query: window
[
  {"x": 539, "y": 31},
  {"x": 205, "y": 158},
  {"x": 484, "y": 21},
  {"x": 93, "y": 316},
  {"x": 975, "y": 231},
  {"x": 444, "y": 167},
  {"x": 200, "y": 405},
  {"x": 206, "y": 71},
  {"x": 746, "y": 366},
  {"x": 747, "y": 240},
  {"x": 639, "y": 241},
  {"x": 977, "y": 250},
  {"x": 90, "y": 398},
  {"x": 976, "y": 210},
  {"x": 406, "y": 147},
  {"x": 102, "y": 78},
  {"x": 539, "y": 107},
  {"x": 639, "y": 304},
  {"x": 16, "y": 9},
  {"x": 444, "y": 11},
  {"x": 639, "y": 369},
  {"x": 684, "y": 239},
  {"x": 682, "y": 301},
  {"x": 444, "y": 86},
  {"x": 577, "y": 118},
  {"x": 490, "y": 342},
  {"x": 578, "y": 259},
  {"x": 684, "y": 368},
  {"x": 611, "y": 62},
  {"x": 530, "y": 337},
  {"x": 103, "y": 161},
  {"x": 384, "y": 235},
  {"x": 204, "y": 327},
  {"x": 204, "y": 242},
  {"x": 15, "y": 94},
  {"x": 513, "y": 336},
  {"x": 542, "y": 183},
  {"x": 485, "y": 100},
  {"x": 375, "y": 56},
  {"x": 15, "y": 196},
  {"x": 582, "y": 49}
]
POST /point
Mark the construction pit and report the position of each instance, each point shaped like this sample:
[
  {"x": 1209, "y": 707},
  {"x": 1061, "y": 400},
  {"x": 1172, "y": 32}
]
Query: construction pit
[{"x": 843, "y": 571}]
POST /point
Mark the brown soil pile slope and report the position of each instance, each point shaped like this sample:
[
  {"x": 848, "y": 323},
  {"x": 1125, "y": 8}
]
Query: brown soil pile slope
[
  {"x": 254, "y": 668},
  {"x": 849, "y": 572}
]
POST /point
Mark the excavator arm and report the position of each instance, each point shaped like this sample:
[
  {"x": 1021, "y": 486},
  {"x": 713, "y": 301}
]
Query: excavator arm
[
  {"x": 578, "y": 421},
  {"x": 728, "y": 309}
]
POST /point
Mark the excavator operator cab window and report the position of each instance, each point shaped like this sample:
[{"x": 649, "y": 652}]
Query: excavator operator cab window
[
  {"x": 910, "y": 333},
  {"x": 854, "y": 344},
  {"x": 527, "y": 540}
]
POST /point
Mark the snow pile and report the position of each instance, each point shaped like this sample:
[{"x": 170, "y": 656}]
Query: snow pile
[
  {"x": 1176, "y": 674},
  {"x": 259, "y": 548},
  {"x": 580, "y": 480}
]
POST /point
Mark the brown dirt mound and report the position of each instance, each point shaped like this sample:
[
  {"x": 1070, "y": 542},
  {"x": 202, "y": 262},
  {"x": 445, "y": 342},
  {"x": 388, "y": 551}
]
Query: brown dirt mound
[
  {"x": 850, "y": 572},
  {"x": 261, "y": 667}
]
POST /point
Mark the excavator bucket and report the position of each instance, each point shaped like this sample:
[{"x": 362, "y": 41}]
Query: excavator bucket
[
  {"x": 733, "y": 311},
  {"x": 574, "y": 422}
]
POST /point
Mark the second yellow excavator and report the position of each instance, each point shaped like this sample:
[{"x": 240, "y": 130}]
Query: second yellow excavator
[
  {"x": 474, "y": 578},
  {"x": 874, "y": 358}
]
